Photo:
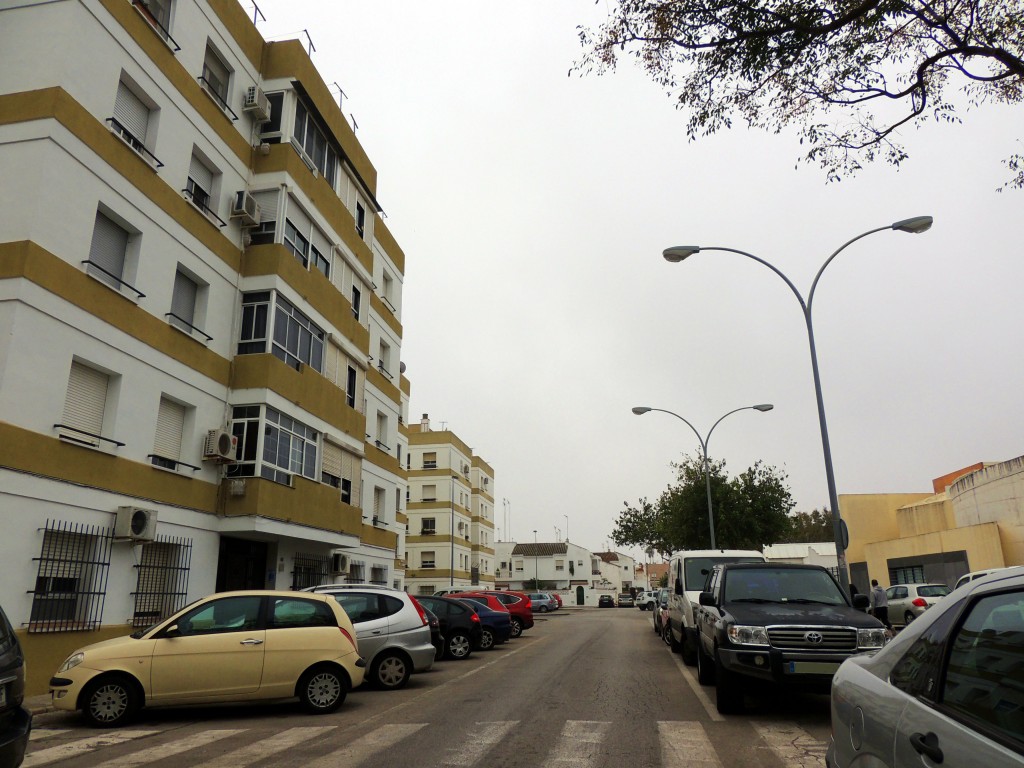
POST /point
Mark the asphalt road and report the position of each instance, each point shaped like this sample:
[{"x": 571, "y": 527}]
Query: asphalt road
[{"x": 582, "y": 688}]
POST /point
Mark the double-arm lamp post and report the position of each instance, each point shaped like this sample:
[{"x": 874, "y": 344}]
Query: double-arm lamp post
[
  {"x": 914, "y": 225},
  {"x": 640, "y": 410}
]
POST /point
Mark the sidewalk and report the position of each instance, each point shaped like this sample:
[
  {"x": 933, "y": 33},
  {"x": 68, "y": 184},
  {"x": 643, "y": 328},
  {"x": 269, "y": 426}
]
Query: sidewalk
[{"x": 39, "y": 705}]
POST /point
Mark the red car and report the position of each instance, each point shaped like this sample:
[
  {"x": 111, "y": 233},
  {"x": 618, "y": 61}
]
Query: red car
[{"x": 518, "y": 604}]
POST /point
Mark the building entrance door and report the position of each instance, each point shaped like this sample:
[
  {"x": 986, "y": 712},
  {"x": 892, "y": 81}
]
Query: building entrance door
[{"x": 242, "y": 564}]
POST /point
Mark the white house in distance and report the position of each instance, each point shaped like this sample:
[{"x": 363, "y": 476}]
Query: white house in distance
[{"x": 576, "y": 573}]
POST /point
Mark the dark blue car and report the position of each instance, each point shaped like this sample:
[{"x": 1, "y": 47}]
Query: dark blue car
[{"x": 496, "y": 625}]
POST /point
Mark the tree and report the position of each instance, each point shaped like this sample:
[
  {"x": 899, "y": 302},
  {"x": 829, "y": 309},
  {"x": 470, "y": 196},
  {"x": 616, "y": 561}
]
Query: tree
[
  {"x": 876, "y": 65},
  {"x": 810, "y": 527},
  {"x": 751, "y": 510}
]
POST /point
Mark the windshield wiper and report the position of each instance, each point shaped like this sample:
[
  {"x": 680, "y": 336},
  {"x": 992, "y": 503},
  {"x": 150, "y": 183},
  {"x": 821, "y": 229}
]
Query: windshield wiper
[
  {"x": 754, "y": 600},
  {"x": 806, "y": 600}
]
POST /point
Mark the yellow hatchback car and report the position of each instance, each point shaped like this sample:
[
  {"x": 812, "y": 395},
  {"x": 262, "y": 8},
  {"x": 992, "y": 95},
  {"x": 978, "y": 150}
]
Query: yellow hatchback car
[{"x": 232, "y": 646}]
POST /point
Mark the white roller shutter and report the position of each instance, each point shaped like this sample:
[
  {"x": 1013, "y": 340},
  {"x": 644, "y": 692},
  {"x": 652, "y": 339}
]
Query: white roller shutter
[
  {"x": 170, "y": 424},
  {"x": 332, "y": 364},
  {"x": 332, "y": 459},
  {"x": 298, "y": 218},
  {"x": 183, "y": 301},
  {"x": 131, "y": 113},
  {"x": 200, "y": 174},
  {"x": 107, "y": 250},
  {"x": 268, "y": 205},
  {"x": 86, "y": 401}
]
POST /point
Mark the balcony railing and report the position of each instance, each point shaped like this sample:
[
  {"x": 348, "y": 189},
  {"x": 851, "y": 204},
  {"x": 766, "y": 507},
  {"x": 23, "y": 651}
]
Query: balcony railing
[
  {"x": 94, "y": 438},
  {"x": 202, "y": 206},
  {"x": 214, "y": 94},
  {"x": 120, "y": 283},
  {"x": 162, "y": 461},
  {"x": 129, "y": 138},
  {"x": 142, "y": 7},
  {"x": 188, "y": 327}
]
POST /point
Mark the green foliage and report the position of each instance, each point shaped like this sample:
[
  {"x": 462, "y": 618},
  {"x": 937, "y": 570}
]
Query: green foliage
[
  {"x": 810, "y": 527},
  {"x": 751, "y": 510},
  {"x": 847, "y": 74}
]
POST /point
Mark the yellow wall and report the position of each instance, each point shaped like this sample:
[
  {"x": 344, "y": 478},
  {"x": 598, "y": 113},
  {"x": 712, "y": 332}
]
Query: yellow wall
[
  {"x": 980, "y": 542},
  {"x": 871, "y": 517}
]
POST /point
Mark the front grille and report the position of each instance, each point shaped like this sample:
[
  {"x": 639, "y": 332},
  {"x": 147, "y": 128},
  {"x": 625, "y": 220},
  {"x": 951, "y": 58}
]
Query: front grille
[{"x": 796, "y": 638}]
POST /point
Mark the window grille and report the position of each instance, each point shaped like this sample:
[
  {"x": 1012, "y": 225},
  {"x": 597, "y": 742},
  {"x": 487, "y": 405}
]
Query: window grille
[
  {"x": 379, "y": 575},
  {"x": 71, "y": 582},
  {"x": 310, "y": 570},
  {"x": 162, "y": 580},
  {"x": 355, "y": 573}
]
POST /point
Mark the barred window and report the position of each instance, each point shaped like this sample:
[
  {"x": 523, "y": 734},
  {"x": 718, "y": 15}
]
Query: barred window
[
  {"x": 162, "y": 584},
  {"x": 309, "y": 570},
  {"x": 71, "y": 581}
]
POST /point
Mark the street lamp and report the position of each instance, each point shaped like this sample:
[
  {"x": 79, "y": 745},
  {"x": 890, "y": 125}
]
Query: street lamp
[
  {"x": 640, "y": 410},
  {"x": 566, "y": 528},
  {"x": 536, "y": 562},
  {"x": 915, "y": 225}
]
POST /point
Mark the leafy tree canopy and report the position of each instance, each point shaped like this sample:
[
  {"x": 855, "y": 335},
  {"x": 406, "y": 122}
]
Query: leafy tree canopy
[
  {"x": 810, "y": 527},
  {"x": 751, "y": 510},
  {"x": 873, "y": 66}
]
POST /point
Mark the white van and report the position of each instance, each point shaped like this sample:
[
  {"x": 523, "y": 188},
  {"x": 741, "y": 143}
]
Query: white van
[{"x": 687, "y": 571}]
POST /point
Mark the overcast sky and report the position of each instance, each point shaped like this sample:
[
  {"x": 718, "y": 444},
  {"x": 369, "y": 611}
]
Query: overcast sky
[{"x": 533, "y": 206}]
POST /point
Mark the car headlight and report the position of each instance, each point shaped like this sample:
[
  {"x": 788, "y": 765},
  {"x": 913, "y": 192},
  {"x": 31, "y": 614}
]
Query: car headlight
[
  {"x": 741, "y": 634},
  {"x": 872, "y": 638},
  {"x": 71, "y": 661}
]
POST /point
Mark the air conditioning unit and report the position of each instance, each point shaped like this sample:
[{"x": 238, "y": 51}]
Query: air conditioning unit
[
  {"x": 246, "y": 209},
  {"x": 339, "y": 563},
  {"x": 256, "y": 104},
  {"x": 135, "y": 524},
  {"x": 219, "y": 445}
]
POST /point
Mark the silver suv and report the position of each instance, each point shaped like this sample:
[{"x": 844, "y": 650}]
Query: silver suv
[{"x": 392, "y": 631}]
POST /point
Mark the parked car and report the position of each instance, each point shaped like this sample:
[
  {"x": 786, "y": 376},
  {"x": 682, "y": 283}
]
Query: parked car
[
  {"x": 15, "y": 720},
  {"x": 542, "y": 602},
  {"x": 624, "y": 600},
  {"x": 946, "y": 690},
  {"x": 460, "y": 625},
  {"x": 436, "y": 639},
  {"x": 518, "y": 604},
  {"x": 660, "y": 612},
  {"x": 781, "y": 623},
  {"x": 967, "y": 577},
  {"x": 606, "y": 601},
  {"x": 908, "y": 601},
  {"x": 495, "y": 625},
  {"x": 558, "y": 598},
  {"x": 392, "y": 630},
  {"x": 646, "y": 600},
  {"x": 231, "y": 646}
]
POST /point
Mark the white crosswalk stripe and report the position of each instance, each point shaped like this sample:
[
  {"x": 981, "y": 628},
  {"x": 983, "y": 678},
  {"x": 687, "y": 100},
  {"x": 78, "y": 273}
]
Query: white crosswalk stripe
[
  {"x": 146, "y": 756},
  {"x": 46, "y": 733},
  {"x": 272, "y": 745},
  {"x": 366, "y": 746},
  {"x": 81, "y": 746},
  {"x": 579, "y": 744},
  {"x": 485, "y": 736},
  {"x": 686, "y": 744},
  {"x": 793, "y": 745}
]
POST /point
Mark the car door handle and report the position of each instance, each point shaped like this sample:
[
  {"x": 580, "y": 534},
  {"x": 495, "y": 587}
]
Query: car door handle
[
  {"x": 250, "y": 642},
  {"x": 377, "y": 632},
  {"x": 927, "y": 744}
]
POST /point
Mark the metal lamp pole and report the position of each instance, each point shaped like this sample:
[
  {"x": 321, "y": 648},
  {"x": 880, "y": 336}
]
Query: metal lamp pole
[
  {"x": 914, "y": 225},
  {"x": 640, "y": 410}
]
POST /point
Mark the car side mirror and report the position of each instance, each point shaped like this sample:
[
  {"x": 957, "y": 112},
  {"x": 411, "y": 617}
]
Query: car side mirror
[
  {"x": 861, "y": 602},
  {"x": 679, "y": 587},
  {"x": 707, "y": 598}
]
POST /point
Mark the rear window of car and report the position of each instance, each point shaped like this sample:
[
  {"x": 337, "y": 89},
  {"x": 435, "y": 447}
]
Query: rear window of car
[
  {"x": 933, "y": 590},
  {"x": 291, "y": 612}
]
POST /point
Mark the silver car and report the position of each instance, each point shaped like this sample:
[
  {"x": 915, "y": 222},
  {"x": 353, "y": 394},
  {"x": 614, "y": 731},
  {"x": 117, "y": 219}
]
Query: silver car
[
  {"x": 392, "y": 631},
  {"x": 948, "y": 689},
  {"x": 908, "y": 601}
]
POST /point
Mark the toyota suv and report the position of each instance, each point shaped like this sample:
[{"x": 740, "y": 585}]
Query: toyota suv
[{"x": 779, "y": 623}]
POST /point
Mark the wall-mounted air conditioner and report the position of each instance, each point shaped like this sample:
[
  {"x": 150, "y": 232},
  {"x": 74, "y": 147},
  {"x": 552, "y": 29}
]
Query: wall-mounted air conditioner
[
  {"x": 135, "y": 524},
  {"x": 256, "y": 104},
  {"x": 219, "y": 446},
  {"x": 339, "y": 563},
  {"x": 245, "y": 208}
]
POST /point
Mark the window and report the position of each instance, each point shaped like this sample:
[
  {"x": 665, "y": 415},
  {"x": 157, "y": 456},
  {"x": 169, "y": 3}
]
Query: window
[
  {"x": 309, "y": 137},
  {"x": 162, "y": 584},
  {"x": 215, "y": 78},
  {"x": 288, "y": 612},
  {"x": 387, "y": 291},
  {"x": 296, "y": 242},
  {"x": 308, "y": 570},
  {"x": 184, "y": 302},
  {"x": 270, "y": 131},
  {"x": 430, "y": 460},
  {"x": 913, "y": 574},
  {"x": 559, "y": 565},
  {"x": 255, "y": 323},
  {"x": 84, "y": 405},
  {"x": 199, "y": 186},
  {"x": 382, "y": 431},
  {"x": 427, "y": 526},
  {"x": 319, "y": 261},
  {"x": 360, "y": 219},
  {"x": 107, "y": 251},
  {"x": 429, "y": 493},
  {"x": 158, "y": 14},
  {"x": 170, "y": 424},
  {"x": 356, "y": 301},
  {"x": 519, "y": 565},
  {"x": 264, "y": 233},
  {"x": 352, "y": 381},
  {"x": 288, "y": 446},
  {"x": 131, "y": 118},
  {"x": 72, "y": 578},
  {"x": 426, "y": 590},
  {"x": 296, "y": 339},
  {"x": 384, "y": 358},
  {"x": 226, "y": 614},
  {"x": 426, "y": 560},
  {"x": 379, "y": 503}
]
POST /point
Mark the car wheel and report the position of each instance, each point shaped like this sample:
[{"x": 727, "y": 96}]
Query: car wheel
[
  {"x": 517, "y": 627},
  {"x": 487, "y": 640},
  {"x": 390, "y": 671},
  {"x": 543, "y": 609},
  {"x": 322, "y": 690},
  {"x": 728, "y": 696},
  {"x": 688, "y": 651},
  {"x": 666, "y": 635},
  {"x": 458, "y": 646},
  {"x": 907, "y": 618},
  {"x": 705, "y": 667},
  {"x": 110, "y": 701}
]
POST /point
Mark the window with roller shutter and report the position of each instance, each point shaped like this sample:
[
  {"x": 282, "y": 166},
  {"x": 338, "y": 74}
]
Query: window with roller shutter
[
  {"x": 107, "y": 251},
  {"x": 170, "y": 425},
  {"x": 132, "y": 117},
  {"x": 84, "y": 405}
]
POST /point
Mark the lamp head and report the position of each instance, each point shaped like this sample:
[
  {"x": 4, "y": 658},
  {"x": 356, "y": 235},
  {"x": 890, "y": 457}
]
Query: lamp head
[
  {"x": 763, "y": 407},
  {"x": 677, "y": 253},
  {"x": 915, "y": 225},
  {"x": 640, "y": 410}
]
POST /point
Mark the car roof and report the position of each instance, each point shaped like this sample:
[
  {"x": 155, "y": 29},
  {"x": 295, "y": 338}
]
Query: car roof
[{"x": 337, "y": 587}]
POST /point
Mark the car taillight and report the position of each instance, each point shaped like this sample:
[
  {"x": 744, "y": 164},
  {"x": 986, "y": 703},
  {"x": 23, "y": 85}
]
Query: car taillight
[
  {"x": 529, "y": 604},
  {"x": 348, "y": 637},
  {"x": 419, "y": 609},
  {"x": 474, "y": 617},
  {"x": 920, "y": 602}
]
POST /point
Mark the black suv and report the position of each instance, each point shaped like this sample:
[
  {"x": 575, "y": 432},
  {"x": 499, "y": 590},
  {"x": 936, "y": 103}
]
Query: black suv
[
  {"x": 778, "y": 623},
  {"x": 15, "y": 720}
]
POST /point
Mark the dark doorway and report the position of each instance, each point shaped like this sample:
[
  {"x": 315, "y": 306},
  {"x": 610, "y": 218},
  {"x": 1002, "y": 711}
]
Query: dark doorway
[{"x": 241, "y": 565}]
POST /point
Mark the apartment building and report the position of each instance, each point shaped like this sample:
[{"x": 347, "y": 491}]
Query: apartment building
[
  {"x": 450, "y": 537},
  {"x": 201, "y": 385}
]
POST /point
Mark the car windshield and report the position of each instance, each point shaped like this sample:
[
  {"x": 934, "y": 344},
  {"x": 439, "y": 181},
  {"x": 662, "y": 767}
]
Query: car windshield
[
  {"x": 782, "y": 585},
  {"x": 698, "y": 568},
  {"x": 933, "y": 590}
]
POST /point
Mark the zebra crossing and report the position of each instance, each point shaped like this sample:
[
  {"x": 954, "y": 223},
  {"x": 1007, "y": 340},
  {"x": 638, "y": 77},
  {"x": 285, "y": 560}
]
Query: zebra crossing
[{"x": 580, "y": 744}]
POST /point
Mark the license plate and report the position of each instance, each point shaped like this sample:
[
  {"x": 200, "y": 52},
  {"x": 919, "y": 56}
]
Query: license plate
[{"x": 812, "y": 667}]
